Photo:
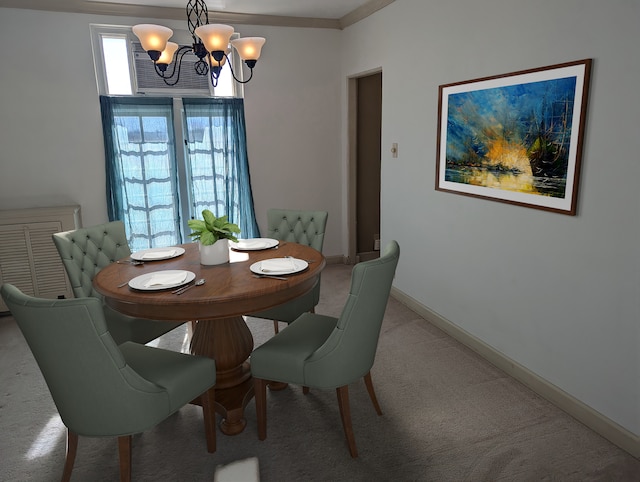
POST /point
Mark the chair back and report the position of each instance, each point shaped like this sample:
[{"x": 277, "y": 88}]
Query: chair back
[
  {"x": 95, "y": 391},
  {"x": 86, "y": 251},
  {"x": 303, "y": 227},
  {"x": 349, "y": 352}
]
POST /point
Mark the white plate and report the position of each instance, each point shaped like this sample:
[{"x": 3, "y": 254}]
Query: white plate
[
  {"x": 139, "y": 282},
  {"x": 254, "y": 244},
  {"x": 298, "y": 265},
  {"x": 155, "y": 254}
]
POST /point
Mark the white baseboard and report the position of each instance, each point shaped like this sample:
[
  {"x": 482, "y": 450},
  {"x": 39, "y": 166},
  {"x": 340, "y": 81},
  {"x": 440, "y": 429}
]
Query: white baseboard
[
  {"x": 336, "y": 259},
  {"x": 600, "y": 424}
]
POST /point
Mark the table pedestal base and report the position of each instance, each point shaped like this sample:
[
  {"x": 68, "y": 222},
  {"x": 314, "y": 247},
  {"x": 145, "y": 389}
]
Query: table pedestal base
[{"x": 229, "y": 342}]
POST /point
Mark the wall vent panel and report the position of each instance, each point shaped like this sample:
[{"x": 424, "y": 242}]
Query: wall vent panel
[{"x": 28, "y": 258}]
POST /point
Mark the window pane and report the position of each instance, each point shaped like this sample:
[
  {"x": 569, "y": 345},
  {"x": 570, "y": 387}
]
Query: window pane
[
  {"x": 209, "y": 150},
  {"x": 225, "y": 82},
  {"x": 145, "y": 153},
  {"x": 116, "y": 64},
  {"x": 217, "y": 165}
]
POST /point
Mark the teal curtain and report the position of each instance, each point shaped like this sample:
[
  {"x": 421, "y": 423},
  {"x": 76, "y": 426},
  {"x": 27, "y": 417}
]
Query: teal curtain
[
  {"x": 143, "y": 188},
  {"x": 217, "y": 162},
  {"x": 140, "y": 152}
]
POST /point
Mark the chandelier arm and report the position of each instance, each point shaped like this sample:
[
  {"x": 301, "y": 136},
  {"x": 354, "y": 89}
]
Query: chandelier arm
[
  {"x": 213, "y": 77},
  {"x": 214, "y": 70},
  {"x": 177, "y": 65},
  {"x": 233, "y": 74}
]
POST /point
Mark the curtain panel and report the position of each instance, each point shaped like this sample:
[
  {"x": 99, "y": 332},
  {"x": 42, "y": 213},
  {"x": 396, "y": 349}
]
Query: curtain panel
[
  {"x": 143, "y": 185},
  {"x": 141, "y": 172},
  {"x": 217, "y": 161}
]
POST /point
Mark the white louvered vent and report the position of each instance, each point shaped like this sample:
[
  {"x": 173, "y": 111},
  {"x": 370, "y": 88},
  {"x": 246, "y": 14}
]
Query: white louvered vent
[
  {"x": 148, "y": 81},
  {"x": 28, "y": 257}
]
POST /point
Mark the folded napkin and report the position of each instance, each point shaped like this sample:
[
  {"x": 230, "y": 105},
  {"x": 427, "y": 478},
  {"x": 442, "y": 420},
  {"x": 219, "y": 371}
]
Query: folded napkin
[
  {"x": 166, "y": 253},
  {"x": 251, "y": 244},
  {"x": 277, "y": 265},
  {"x": 166, "y": 279}
]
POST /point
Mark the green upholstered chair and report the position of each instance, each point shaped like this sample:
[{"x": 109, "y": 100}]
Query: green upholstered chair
[
  {"x": 320, "y": 351},
  {"x": 84, "y": 253},
  {"x": 101, "y": 389},
  {"x": 302, "y": 227}
]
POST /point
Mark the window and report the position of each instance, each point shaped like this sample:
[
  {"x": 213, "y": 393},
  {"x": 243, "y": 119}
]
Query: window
[
  {"x": 170, "y": 152},
  {"x": 116, "y": 65},
  {"x": 151, "y": 191},
  {"x": 123, "y": 68}
]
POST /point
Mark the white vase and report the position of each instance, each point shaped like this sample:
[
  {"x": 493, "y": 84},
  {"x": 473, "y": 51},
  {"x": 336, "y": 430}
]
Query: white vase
[{"x": 216, "y": 253}]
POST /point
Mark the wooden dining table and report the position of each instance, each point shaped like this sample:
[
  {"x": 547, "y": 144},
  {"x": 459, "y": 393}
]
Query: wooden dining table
[{"x": 231, "y": 290}]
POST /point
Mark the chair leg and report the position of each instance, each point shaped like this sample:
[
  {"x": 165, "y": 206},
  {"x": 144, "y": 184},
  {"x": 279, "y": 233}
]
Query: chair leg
[
  {"x": 372, "y": 393},
  {"x": 345, "y": 414},
  {"x": 260, "y": 390},
  {"x": 72, "y": 449},
  {"x": 208, "y": 399},
  {"x": 276, "y": 328},
  {"x": 124, "y": 450}
]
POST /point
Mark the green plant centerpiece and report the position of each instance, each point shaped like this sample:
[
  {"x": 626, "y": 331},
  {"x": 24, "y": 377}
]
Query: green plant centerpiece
[
  {"x": 210, "y": 229},
  {"x": 213, "y": 234}
]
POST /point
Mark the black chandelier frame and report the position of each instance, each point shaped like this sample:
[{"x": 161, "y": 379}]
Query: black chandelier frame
[{"x": 197, "y": 15}]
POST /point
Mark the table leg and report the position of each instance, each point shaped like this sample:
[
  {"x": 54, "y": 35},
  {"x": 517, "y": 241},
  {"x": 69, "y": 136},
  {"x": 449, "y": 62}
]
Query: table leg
[{"x": 229, "y": 342}]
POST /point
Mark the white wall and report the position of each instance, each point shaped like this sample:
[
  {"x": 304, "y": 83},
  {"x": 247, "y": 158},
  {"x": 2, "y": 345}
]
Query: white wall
[
  {"x": 51, "y": 135},
  {"x": 557, "y": 294},
  {"x": 293, "y": 122}
]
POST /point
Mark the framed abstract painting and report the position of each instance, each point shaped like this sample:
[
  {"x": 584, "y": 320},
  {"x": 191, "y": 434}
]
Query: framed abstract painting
[{"x": 515, "y": 138}]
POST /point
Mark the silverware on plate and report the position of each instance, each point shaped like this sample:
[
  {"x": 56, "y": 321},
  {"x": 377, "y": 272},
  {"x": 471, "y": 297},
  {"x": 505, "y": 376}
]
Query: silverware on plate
[
  {"x": 179, "y": 291},
  {"x": 269, "y": 276}
]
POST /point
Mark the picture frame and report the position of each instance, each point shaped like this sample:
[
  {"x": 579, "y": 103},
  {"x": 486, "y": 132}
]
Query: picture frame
[{"x": 515, "y": 138}]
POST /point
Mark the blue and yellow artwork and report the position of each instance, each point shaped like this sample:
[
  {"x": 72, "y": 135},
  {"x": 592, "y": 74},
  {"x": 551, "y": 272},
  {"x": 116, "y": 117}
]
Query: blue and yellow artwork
[{"x": 514, "y": 138}]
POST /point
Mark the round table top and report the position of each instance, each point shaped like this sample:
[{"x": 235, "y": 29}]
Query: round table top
[{"x": 231, "y": 289}]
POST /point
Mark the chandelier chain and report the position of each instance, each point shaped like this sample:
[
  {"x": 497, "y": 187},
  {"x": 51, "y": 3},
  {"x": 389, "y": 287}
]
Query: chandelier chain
[{"x": 197, "y": 14}]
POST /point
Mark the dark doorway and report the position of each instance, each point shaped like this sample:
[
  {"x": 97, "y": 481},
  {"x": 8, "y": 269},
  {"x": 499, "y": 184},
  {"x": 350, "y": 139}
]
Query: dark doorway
[{"x": 368, "y": 163}]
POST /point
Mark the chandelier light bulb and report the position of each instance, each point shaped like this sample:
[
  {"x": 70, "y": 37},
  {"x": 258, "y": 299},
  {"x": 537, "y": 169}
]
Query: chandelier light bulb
[
  {"x": 215, "y": 36},
  {"x": 167, "y": 54},
  {"x": 152, "y": 37},
  {"x": 249, "y": 48}
]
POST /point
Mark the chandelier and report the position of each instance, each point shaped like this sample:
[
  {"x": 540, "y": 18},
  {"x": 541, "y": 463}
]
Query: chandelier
[{"x": 211, "y": 45}]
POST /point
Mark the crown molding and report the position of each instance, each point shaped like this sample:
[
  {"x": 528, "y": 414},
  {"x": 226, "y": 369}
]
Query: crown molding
[
  {"x": 126, "y": 10},
  {"x": 362, "y": 12}
]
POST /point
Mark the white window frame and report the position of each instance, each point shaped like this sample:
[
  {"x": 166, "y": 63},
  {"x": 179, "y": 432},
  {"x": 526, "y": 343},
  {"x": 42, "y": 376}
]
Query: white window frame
[
  {"x": 114, "y": 31},
  {"x": 99, "y": 31}
]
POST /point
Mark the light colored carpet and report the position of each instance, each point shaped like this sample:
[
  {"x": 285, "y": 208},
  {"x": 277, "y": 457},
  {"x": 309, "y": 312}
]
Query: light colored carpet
[{"x": 448, "y": 416}]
